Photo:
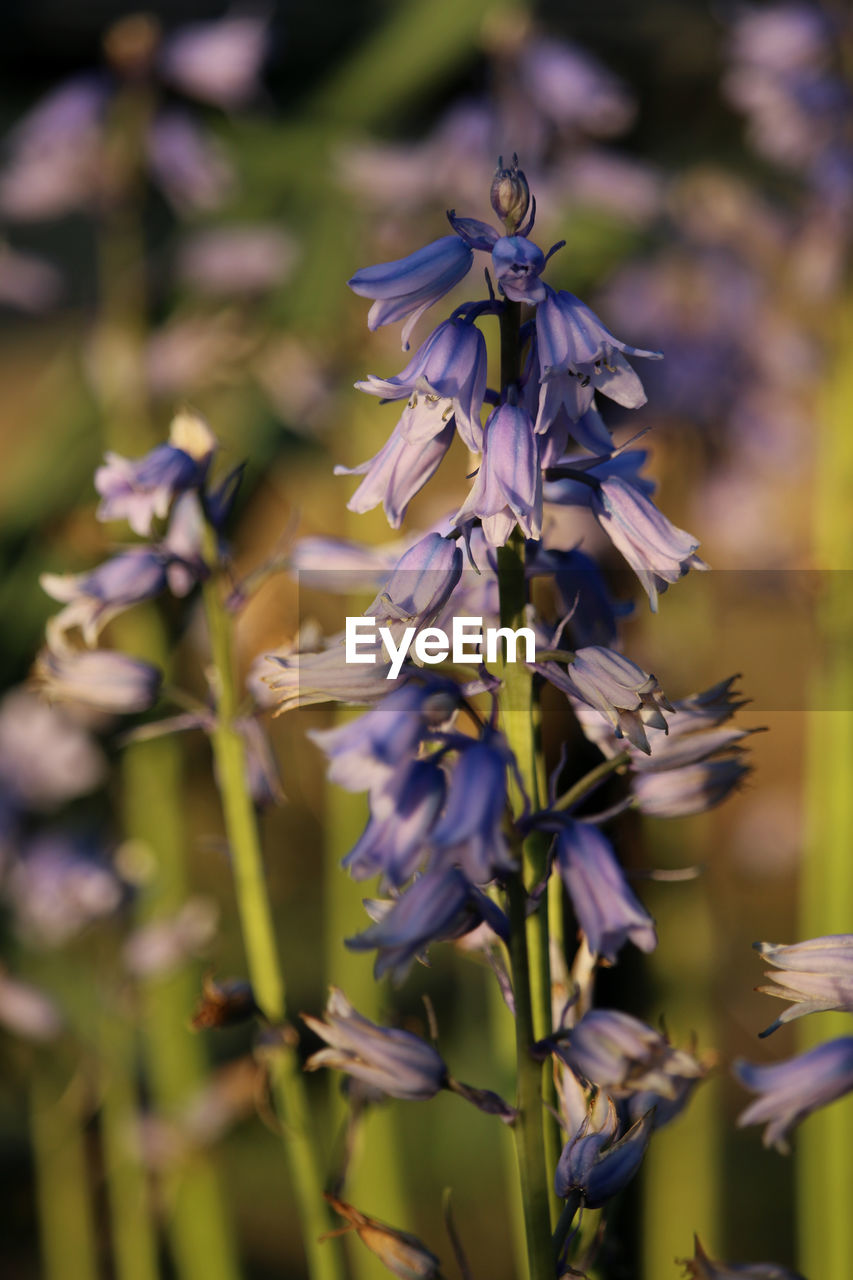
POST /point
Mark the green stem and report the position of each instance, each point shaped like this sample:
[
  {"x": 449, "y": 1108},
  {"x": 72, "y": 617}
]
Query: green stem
[
  {"x": 66, "y": 1224},
  {"x": 131, "y": 1220},
  {"x": 325, "y": 1261},
  {"x": 590, "y": 781},
  {"x": 537, "y": 1154}
]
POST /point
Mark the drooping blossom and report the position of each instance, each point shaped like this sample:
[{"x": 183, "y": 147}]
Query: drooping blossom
[
  {"x": 100, "y": 679},
  {"x": 408, "y": 286},
  {"x": 597, "y": 1162},
  {"x": 396, "y": 1062},
  {"x": 397, "y": 472},
  {"x": 814, "y": 976},
  {"x": 629, "y": 699},
  {"x": 470, "y": 832},
  {"x": 508, "y": 486},
  {"x": 606, "y": 908},
  {"x": 791, "y": 1090},
  {"x": 623, "y": 1055}
]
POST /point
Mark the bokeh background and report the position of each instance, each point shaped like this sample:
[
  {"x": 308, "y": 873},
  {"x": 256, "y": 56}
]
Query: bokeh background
[{"x": 700, "y": 170}]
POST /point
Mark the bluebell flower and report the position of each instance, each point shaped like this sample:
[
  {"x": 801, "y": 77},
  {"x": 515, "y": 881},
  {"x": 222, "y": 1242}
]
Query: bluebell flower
[
  {"x": 396, "y": 837},
  {"x": 597, "y": 1164},
  {"x": 572, "y": 340},
  {"x": 397, "y": 472},
  {"x": 396, "y": 1062},
  {"x": 791, "y": 1090},
  {"x": 46, "y": 759},
  {"x": 300, "y": 678},
  {"x": 365, "y": 753},
  {"x": 100, "y": 679},
  {"x": 518, "y": 263},
  {"x": 58, "y": 887},
  {"x": 591, "y": 613},
  {"x": 92, "y": 599},
  {"x": 606, "y": 908},
  {"x": 657, "y": 551},
  {"x": 440, "y": 905},
  {"x": 815, "y": 975},
  {"x": 625, "y": 1056},
  {"x": 628, "y": 698},
  {"x": 183, "y": 545},
  {"x": 470, "y": 832},
  {"x": 508, "y": 487},
  {"x": 691, "y": 789},
  {"x": 409, "y": 286},
  {"x": 701, "y": 1267},
  {"x": 420, "y": 584},
  {"x": 559, "y": 414},
  {"x": 138, "y": 490},
  {"x": 447, "y": 374}
]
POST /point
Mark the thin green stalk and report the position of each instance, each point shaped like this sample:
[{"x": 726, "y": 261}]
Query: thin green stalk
[
  {"x": 587, "y": 784},
  {"x": 66, "y": 1225},
  {"x": 325, "y": 1261},
  {"x": 134, "y": 1236},
  {"x": 537, "y": 1154}
]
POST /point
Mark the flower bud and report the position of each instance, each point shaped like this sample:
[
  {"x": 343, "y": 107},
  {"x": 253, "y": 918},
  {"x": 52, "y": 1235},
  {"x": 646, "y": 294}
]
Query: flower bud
[{"x": 510, "y": 194}]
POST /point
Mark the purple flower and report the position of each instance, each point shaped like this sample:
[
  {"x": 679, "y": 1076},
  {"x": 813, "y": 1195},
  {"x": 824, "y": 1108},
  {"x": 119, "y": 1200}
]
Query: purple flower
[
  {"x": 596, "y": 1164},
  {"x": 365, "y": 753},
  {"x": 572, "y": 340},
  {"x": 657, "y": 551},
  {"x": 701, "y": 1267},
  {"x": 300, "y": 679},
  {"x": 791, "y": 1090},
  {"x": 583, "y": 594},
  {"x": 470, "y": 831},
  {"x": 606, "y": 908},
  {"x": 139, "y": 490},
  {"x": 508, "y": 487},
  {"x": 187, "y": 164},
  {"x": 100, "y": 679},
  {"x": 395, "y": 839},
  {"x": 624, "y": 694},
  {"x": 45, "y": 758},
  {"x": 420, "y": 584},
  {"x": 92, "y": 599},
  {"x": 447, "y": 374},
  {"x": 218, "y": 61},
  {"x": 625, "y": 1056},
  {"x": 397, "y": 472},
  {"x": 439, "y": 905},
  {"x": 518, "y": 263},
  {"x": 409, "y": 286},
  {"x": 816, "y": 975},
  {"x": 397, "y": 1062},
  {"x": 58, "y": 888},
  {"x": 694, "y": 788}
]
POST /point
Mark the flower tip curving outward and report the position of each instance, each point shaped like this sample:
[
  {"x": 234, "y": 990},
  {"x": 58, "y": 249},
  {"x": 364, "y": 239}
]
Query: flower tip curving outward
[
  {"x": 409, "y": 286},
  {"x": 790, "y": 1091},
  {"x": 815, "y": 976},
  {"x": 625, "y": 694},
  {"x": 99, "y": 679}
]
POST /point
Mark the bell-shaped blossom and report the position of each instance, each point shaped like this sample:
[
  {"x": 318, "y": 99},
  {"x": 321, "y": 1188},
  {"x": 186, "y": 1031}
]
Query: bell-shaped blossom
[
  {"x": 595, "y": 1164},
  {"x": 45, "y": 758},
  {"x": 440, "y": 905},
  {"x": 572, "y": 340},
  {"x": 508, "y": 487},
  {"x": 447, "y": 374},
  {"x": 591, "y": 613},
  {"x": 625, "y": 1056},
  {"x": 138, "y": 490},
  {"x": 219, "y": 61},
  {"x": 365, "y": 754},
  {"x": 99, "y": 679},
  {"x": 694, "y": 788},
  {"x": 628, "y": 698},
  {"x": 701, "y": 1267},
  {"x": 300, "y": 679},
  {"x": 396, "y": 1062},
  {"x": 791, "y": 1090},
  {"x": 92, "y": 599},
  {"x": 409, "y": 286},
  {"x": 58, "y": 887},
  {"x": 518, "y": 263},
  {"x": 397, "y": 472},
  {"x": 470, "y": 832},
  {"x": 657, "y": 551},
  {"x": 187, "y": 164},
  {"x": 606, "y": 908},
  {"x": 395, "y": 840},
  {"x": 420, "y": 584},
  {"x": 815, "y": 976}
]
